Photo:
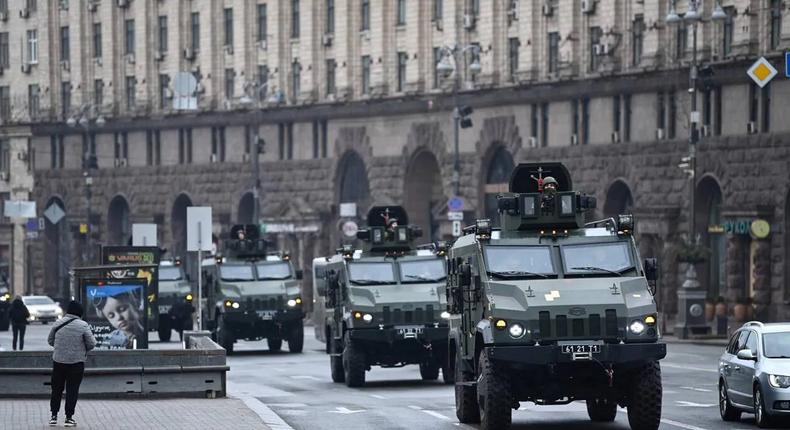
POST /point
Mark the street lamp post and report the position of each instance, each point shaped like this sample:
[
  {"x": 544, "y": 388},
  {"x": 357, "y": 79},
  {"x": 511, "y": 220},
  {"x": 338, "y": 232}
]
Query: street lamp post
[
  {"x": 257, "y": 147},
  {"x": 690, "y": 297},
  {"x": 448, "y": 65}
]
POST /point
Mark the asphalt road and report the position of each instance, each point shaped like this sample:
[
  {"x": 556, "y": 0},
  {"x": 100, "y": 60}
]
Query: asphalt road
[{"x": 298, "y": 388}]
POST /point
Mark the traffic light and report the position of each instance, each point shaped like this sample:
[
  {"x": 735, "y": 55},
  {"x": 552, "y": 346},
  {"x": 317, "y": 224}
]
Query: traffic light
[{"x": 464, "y": 113}]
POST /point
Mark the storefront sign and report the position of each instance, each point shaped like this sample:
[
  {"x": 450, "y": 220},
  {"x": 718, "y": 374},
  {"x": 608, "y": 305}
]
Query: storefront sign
[{"x": 758, "y": 228}]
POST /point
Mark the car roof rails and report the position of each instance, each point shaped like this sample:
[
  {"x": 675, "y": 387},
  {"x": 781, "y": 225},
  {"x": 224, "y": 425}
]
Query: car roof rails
[{"x": 754, "y": 323}]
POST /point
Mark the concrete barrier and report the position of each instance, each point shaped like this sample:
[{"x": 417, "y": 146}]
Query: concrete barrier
[{"x": 198, "y": 370}]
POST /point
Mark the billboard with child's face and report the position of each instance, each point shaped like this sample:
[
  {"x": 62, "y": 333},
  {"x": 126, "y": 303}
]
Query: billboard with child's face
[{"x": 115, "y": 311}]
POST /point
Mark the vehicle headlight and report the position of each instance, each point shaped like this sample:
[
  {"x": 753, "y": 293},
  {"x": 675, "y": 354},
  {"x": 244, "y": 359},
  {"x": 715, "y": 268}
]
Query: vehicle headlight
[
  {"x": 637, "y": 327},
  {"x": 516, "y": 330},
  {"x": 235, "y": 305},
  {"x": 779, "y": 381},
  {"x": 189, "y": 297},
  {"x": 367, "y": 318},
  {"x": 4, "y": 298},
  {"x": 291, "y": 303},
  {"x": 445, "y": 315}
]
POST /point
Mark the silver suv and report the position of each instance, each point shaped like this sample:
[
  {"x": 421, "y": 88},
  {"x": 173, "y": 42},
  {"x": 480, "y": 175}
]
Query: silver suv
[{"x": 754, "y": 373}]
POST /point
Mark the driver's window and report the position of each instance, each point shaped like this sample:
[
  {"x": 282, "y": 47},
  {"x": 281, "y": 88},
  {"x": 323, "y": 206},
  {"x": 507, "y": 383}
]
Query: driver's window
[
  {"x": 751, "y": 343},
  {"x": 742, "y": 341}
]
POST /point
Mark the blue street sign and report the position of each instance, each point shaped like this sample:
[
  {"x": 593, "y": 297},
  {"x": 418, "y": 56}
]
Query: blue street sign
[
  {"x": 455, "y": 204},
  {"x": 32, "y": 225},
  {"x": 787, "y": 64}
]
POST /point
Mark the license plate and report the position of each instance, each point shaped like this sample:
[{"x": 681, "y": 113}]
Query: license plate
[
  {"x": 409, "y": 331},
  {"x": 163, "y": 309},
  {"x": 265, "y": 315},
  {"x": 581, "y": 349}
]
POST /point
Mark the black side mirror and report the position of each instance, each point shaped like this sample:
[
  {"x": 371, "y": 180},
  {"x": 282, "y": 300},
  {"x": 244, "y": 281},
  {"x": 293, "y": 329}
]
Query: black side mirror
[
  {"x": 651, "y": 273},
  {"x": 299, "y": 274}
]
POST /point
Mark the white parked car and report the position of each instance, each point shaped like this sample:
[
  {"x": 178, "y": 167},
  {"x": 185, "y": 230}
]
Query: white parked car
[{"x": 42, "y": 309}]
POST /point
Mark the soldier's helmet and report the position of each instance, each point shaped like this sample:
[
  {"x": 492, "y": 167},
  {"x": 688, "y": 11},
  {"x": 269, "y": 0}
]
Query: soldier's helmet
[{"x": 550, "y": 180}]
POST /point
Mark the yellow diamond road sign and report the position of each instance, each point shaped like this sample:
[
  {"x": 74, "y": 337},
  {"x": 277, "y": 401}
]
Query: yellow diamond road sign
[{"x": 762, "y": 72}]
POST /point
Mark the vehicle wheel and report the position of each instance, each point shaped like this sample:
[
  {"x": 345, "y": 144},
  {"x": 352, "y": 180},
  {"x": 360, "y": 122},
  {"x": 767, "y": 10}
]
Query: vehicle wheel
[
  {"x": 328, "y": 339},
  {"x": 296, "y": 338},
  {"x": 466, "y": 409},
  {"x": 448, "y": 376},
  {"x": 601, "y": 410},
  {"x": 335, "y": 360},
  {"x": 353, "y": 364},
  {"x": 225, "y": 336},
  {"x": 429, "y": 371},
  {"x": 165, "y": 330},
  {"x": 274, "y": 344},
  {"x": 493, "y": 396},
  {"x": 644, "y": 404},
  {"x": 726, "y": 409},
  {"x": 761, "y": 416}
]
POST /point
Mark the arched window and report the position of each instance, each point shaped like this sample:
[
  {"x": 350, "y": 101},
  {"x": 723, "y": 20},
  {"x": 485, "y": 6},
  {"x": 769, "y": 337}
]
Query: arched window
[
  {"x": 497, "y": 177},
  {"x": 708, "y": 214},
  {"x": 353, "y": 182},
  {"x": 246, "y": 212},
  {"x": 618, "y": 200},
  {"x": 178, "y": 225},
  {"x": 423, "y": 194},
  {"x": 118, "y": 227}
]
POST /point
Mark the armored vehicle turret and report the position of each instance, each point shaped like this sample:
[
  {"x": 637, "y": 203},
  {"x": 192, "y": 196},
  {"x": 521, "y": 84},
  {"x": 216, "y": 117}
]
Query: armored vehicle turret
[
  {"x": 385, "y": 303},
  {"x": 550, "y": 309},
  {"x": 253, "y": 293}
]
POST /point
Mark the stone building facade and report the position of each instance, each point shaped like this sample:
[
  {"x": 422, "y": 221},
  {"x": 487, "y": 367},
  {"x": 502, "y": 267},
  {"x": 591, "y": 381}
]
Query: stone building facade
[{"x": 347, "y": 97}]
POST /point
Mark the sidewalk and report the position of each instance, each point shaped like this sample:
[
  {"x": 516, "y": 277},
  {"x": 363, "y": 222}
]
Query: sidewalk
[{"x": 168, "y": 414}]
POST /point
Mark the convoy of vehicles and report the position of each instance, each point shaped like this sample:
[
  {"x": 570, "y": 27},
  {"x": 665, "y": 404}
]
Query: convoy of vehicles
[
  {"x": 550, "y": 310},
  {"x": 252, "y": 293},
  {"x": 384, "y": 305}
]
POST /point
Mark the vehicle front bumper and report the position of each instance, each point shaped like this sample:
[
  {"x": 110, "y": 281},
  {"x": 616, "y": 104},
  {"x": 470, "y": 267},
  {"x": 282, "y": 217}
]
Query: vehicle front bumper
[
  {"x": 551, "y": 354},
  {"x": 777, "y": 400},
  {"x": 392, "y": 335},
  {"x": 263, "y": 317}
]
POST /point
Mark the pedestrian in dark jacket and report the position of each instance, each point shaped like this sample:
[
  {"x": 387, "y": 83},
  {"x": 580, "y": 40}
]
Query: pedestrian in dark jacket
[
  {"x": 72, "y": 339},
  {"x": 18, "y": 316}
]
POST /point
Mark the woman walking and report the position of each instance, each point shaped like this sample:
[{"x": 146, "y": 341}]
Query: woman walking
[
  {"x": 72, "y": 339},
  {"x": 18, "y": 316}
]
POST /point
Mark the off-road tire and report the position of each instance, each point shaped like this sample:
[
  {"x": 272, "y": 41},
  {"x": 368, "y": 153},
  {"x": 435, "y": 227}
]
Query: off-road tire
[
  {"x": 165, "y": 329},
  {"x": 275, "y": 345},
  {"x": 761, "y": 417},
  {"x": 466, "y": 408},
  {"x": 224, "y": 336},
  {"x": 493, "y": 396},
  {"x": 354, "y": 364},
  {"x": 727, "y": 411},
  {"x": 429, "y": 371},
  {"x": 644, "y": 398},
  {"x": 601, "y": 410},
  {"x": 296, "y": 338},
  {"x": 448, "y": 375},
  {"x": 336, "y": 359}
]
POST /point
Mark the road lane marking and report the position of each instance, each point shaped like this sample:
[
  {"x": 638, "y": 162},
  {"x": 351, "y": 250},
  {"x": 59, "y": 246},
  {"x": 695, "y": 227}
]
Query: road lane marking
[
  {"x": 437, "y": 415},
  {"x": 376, "y": 396},
  {"x": 416, "y": 408},
  {"x": 681, "y": 425},
  {"x": 345, "y": 411},
  {"x": 699, "y": 369},
  {"x": 312, "y": 378},
  {"x": 702, "y": 390},
  {"x": 686, "y": 404},
  {"x": 265, "y": 413}
]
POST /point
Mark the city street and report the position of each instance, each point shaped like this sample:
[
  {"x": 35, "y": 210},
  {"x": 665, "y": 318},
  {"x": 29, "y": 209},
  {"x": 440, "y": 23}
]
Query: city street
[{"x": 298, "y": 388}]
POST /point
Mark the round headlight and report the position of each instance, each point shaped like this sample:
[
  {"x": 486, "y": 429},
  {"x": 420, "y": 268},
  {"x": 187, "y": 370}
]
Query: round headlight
[
  {"x": 235, "y": 305},
  {"x": 637, "y": 327},
  {"x": 367, "y": 318},
  {"x": 445, "y": 315},
  {"x": 291, "y": 302},
  {"x": 516, "y": 330}
]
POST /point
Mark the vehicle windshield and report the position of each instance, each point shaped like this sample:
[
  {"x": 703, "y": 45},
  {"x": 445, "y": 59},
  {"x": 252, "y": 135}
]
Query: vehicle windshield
[
  {"x": 38, "y": 301},
  {"x": 519, "y": 260},
  {"x": 170, "y": 274},
  {"x": 422, "y": 271},
  {"x": 236, "y": 272},
  {"x": 271, "y": 271},
  {"x": 604, "y": 258},
  {"x": 776, "y": 345},
  {"x": 371, "y": 273}
]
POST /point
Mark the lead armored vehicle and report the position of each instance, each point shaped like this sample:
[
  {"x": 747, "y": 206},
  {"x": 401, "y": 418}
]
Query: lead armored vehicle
[
  {"x": 175, "y": 294},
  {"x": 385, "y": 303},
  {"x": 551, "y": 310},
  {"x": 252, "y": 293}
]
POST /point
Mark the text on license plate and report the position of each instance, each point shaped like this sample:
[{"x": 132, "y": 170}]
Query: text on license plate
[
  {"x": 163, "y": 309},
  {"x": 265, "y": 315},
  {"x": 409, "y": 330},
  {"x": 571, "y": 349}
]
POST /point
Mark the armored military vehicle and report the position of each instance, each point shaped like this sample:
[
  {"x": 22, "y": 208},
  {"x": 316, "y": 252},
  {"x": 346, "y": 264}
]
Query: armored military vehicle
[
  {"x": 385, "y": 303},
  {"x": 253, "y": 293},
  {"x": 175, "y": 294},
  {"x": 551, "y": 310}
]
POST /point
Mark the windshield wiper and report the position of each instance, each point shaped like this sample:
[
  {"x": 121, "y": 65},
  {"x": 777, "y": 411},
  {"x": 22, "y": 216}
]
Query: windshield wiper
[
  {"x": 425, "y": 278},
  {"x": 515, "y": 274},
  {"x": 236, "y": 280},
  {"x": 596, "y": 269},
  {"x": 274, "y": 278},
  {"x": 370, "y": 282}
]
